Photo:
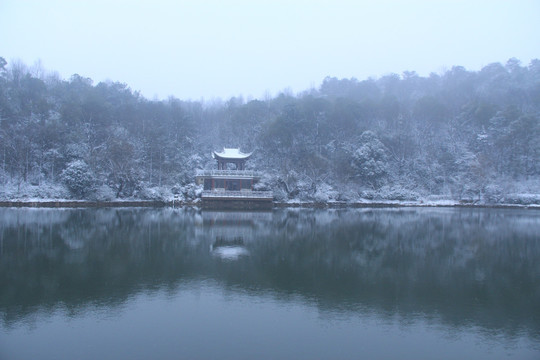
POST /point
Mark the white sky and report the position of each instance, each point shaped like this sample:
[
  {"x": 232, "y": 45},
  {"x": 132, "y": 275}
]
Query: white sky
[{"x": 206, "y": 49}]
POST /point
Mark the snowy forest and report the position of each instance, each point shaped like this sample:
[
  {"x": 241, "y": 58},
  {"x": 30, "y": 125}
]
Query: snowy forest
[{"x": 462, "y": 136}]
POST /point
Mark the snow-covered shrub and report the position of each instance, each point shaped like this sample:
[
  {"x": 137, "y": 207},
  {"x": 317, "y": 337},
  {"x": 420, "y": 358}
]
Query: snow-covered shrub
[
  {"x": 390, "y": 193},
  {"x": 493, "y": 194},
  {"x": 522, "y": 199},
  {"x": 470, "y": 194},
  {"x": 324, "y": 193},
  {"x": 272, "y": 183},
  {"x": 346, "y": 194},
  {"x": 191, "y": 192},
  {"x": 26, "y": 191},
  {"x": 266, "y": 183},
  {"x": 103, "y": 193},
  {"x": 280, "y": 195},
  {"x": 367, "y": 194},
  {"x": 304, "y": 190},
  {"x": 298, "y": 187},
  {"x": 521, "y": 192},
  {"x": 48, "y": 190},
  {"x": 156, "y": 194},
  {"x": 397, "y": 193},
  {"x": 79, "y": 178}
]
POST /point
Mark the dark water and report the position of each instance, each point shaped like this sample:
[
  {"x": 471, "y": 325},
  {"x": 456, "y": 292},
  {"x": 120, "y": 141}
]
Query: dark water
[{"x": 290, "y": 284}]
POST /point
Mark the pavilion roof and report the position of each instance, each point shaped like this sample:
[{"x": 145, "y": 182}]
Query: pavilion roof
[{"x": 232, "y": 154}]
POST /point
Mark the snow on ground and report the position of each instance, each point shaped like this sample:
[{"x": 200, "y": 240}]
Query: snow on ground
[
  {"x": 524, "y": 193},
  {"x": 33, "y": 193}
]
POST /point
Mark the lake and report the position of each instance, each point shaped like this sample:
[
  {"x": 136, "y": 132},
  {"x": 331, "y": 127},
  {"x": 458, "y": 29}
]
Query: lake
[{"x": 405, "y": 283}]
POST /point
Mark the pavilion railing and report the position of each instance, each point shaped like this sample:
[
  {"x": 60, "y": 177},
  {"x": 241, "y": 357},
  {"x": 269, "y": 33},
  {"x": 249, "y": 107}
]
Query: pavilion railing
[
  {"x": 241, "y": 173},
  {"x": 209, "y": 194}
]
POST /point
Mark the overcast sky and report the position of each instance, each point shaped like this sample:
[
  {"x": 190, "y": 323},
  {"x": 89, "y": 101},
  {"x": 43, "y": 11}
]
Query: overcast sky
[{"x": 207, "y": 49}]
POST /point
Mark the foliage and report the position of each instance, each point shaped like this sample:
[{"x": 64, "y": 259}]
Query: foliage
[
  {"x": 370, "y": 160},
  {"x": 78, "y": 178},
  {"x": 455, "y": 134}
]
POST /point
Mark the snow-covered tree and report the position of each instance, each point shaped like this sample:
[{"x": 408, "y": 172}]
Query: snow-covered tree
[
  {"x": 370, "y": 160},
  {"x": 449, "y": 134},
  {"x": 78, "y": 178}
]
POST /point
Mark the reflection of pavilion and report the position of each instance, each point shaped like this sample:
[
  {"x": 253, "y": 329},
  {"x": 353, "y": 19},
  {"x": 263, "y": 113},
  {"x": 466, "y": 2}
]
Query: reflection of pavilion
[
  {"x": 229, "y": 249},
  {"x": 231, "y": 232},
  {"x": 231, "y": 185}
]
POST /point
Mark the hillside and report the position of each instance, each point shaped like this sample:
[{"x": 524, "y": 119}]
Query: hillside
[{"x": 470, "y": 136}]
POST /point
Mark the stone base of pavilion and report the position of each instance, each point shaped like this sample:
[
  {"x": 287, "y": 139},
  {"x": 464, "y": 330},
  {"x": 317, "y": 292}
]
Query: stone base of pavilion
[{"x": 237, "y": 200}]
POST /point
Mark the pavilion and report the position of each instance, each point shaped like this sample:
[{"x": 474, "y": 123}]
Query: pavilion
[{"x": 231, "y": 184}]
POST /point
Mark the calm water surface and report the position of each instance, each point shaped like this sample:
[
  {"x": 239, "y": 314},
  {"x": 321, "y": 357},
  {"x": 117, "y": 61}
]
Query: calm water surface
[{"x": 287, "y": 284}]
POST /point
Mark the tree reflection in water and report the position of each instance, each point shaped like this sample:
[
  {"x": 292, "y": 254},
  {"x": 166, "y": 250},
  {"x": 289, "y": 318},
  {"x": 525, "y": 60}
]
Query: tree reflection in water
[{"x": 464, "y": 267}]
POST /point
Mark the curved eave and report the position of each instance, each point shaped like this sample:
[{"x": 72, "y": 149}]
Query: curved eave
[{"x": 223, "y": 156}]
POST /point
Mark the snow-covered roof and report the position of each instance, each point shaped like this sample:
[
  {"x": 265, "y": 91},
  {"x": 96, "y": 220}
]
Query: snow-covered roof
[{"x": 229, "y": 153}]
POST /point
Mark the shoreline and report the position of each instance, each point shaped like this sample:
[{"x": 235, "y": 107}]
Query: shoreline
[{"x": 307, "y": 205}]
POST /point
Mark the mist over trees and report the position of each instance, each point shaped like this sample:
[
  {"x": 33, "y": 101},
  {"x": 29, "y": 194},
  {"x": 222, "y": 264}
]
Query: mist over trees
[{"x": 462, "y": 135}]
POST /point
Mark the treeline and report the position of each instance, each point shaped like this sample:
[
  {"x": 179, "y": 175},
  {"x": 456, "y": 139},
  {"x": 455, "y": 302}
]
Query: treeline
[{"x": 471, "y": 135}]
